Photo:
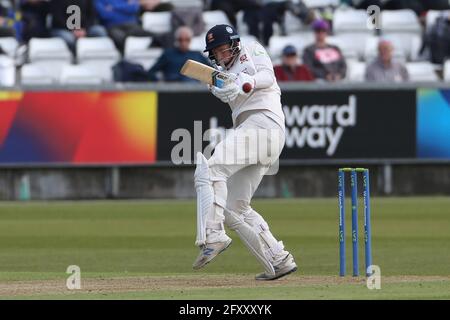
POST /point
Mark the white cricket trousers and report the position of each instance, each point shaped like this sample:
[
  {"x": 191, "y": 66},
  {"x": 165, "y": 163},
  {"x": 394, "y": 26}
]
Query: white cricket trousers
[{"x": 237, "y": 167}]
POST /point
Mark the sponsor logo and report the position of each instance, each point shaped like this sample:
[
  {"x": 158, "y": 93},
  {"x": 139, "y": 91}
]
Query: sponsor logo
[
  {"x": 319, "y": 126},
  {"x": 210, "y": 37},
  {"x": 229, "y": 30},
  {"x": 243, "y": 58}
]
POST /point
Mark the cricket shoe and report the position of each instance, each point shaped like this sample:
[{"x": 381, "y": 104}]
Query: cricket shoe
[
  {"x": 209, "y": 252},
  {"x": 285, "y": 267}
]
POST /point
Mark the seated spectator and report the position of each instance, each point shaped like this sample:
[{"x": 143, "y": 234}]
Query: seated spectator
[
  {"x": 172, "y": 59},
  {"x": 437, "y": 41},
  {"x": 291, "y": 69},
  {"x": 89, "y": 28},
  {"x": 6, "y": 21},
  {"x": 251, "y": 12},
  {"x": 324, "y": 60},
  {"x": 274, "y": 11},
  {"x": 34, "y": 15},
  {"x": 120, "y": 17},
  {"x": 384, "y": 69}
]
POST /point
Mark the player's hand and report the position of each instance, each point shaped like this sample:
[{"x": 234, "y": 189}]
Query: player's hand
[
  {"x": 228, "y": 93},
  {"x": 245, "y": 82}
]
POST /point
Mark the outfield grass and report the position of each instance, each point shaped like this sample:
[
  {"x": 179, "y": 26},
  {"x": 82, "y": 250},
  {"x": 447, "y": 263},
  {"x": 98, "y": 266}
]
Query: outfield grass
[{"x": 125, "y": 239}]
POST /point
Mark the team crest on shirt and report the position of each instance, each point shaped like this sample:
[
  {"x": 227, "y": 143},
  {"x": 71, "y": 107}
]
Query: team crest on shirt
[
  {"x": 243, "y": 58},
  {"x": 210, "y": 37}
]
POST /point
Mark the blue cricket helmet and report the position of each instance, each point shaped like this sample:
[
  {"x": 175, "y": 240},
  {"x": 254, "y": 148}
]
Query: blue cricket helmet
[{"x": 220, "y": 34}]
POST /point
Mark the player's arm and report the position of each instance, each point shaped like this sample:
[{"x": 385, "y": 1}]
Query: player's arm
[{"x": 265, "y": 76}]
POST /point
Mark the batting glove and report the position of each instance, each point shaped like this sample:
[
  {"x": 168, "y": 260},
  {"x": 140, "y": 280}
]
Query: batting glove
[{"x": 226, "y": 94}]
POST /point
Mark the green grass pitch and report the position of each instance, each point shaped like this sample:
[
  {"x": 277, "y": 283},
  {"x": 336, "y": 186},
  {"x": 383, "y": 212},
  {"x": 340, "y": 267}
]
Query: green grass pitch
[{"x": 145, "y": 250}]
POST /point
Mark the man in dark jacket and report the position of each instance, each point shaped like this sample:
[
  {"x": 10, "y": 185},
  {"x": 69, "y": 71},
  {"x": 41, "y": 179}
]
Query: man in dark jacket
[
  {"x": 172, "y": 59},
  {"x": 89, "y": 26},
  {"x": 324, "y": 60}
]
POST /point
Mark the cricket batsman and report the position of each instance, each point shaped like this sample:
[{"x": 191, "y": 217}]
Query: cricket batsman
[{"x": 225, "y": 183}]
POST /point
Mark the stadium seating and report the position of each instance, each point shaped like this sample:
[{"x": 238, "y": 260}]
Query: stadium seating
[
  {"x": 422, "y": 72},
  {"x": 48, "y": 49},
  {"x": 351, "y": 32},
  {"x": 9, "y": 45},
  {"x": 35, "y": 74},
  {"x": 277, "y": 43},
  {"x": 247, "y": 39},
  {"x": 355, "y": 71},
  {"x": 80, "y": 74},
  {"x": 400, "y": 21},
  {"x": 447, "y": 71},
  {"x": 293, "y": 24},
  {"x": 137, "y": 50},
  {"x": 198, "y": 43},
  {"x": 350, "y": 49},
  {"x": 321, "y": 3},
  {"x": 241, "y": 25},
  {"x": 350, "y": 21},
  {"x": 7, "y": 71},
  {"x": 211, "y": 18},
  {"x": 99, "y": 52},
  {"x": 156, "y": 22},
  {"x": 101, "y": 48}
]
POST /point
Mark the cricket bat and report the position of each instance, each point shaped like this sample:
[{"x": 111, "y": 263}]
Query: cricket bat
[{"x": 209, "y": 75}]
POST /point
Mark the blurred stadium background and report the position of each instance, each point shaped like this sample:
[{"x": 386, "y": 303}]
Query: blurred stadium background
[{"x": 91, "y": 117}]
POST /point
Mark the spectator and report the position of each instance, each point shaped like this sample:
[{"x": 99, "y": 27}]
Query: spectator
[
  {"x": 251, "y": 9},
  {"x": 384, "y": 69},
  {"x": 58, "y": 11},
  {"x": 34, "y": 15},
  {"x": 172, "y": 59},
  {"x": 274, "y": 11},
  {"x": 291, "y": 69},
  {"x": 325, "y": 61},
  {"x": 120, "y": 17},
  {"x": 437, "y": 41},
  {"x": 6, "y": 21}
]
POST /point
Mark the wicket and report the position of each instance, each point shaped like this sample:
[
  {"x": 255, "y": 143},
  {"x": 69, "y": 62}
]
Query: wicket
[{"x": 367, "y": 226}]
